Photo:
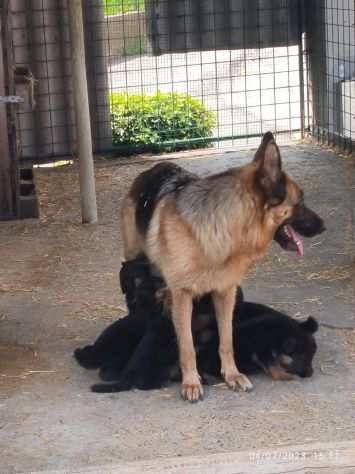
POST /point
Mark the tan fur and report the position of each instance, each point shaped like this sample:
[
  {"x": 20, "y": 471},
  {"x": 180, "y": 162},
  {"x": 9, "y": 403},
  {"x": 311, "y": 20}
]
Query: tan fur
[
  {"x": 133, "y": 242},
  {"x": 205, "y": 241},
  {"x": 277, "y": 372}
]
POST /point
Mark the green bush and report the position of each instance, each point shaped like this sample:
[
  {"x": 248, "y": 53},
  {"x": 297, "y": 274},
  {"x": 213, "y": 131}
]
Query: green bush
[{"x": 163, "y": 117}]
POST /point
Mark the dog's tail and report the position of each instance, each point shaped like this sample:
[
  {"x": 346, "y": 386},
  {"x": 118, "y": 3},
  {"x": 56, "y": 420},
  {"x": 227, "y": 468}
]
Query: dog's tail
[{"x": 87, "y": 357}]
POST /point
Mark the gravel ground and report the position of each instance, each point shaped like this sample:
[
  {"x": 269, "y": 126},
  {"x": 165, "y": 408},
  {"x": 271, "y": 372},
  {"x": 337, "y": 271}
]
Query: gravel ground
[{"x": 59, "y": 289}]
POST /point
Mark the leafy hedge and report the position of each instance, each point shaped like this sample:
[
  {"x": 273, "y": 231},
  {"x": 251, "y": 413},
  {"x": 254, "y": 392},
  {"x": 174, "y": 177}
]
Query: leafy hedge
[{"x": 163, "y": 117}]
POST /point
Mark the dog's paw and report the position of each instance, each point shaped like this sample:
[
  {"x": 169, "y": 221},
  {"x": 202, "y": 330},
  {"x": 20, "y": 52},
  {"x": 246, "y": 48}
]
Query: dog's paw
[
  {"x": 191, "y": 388},
  {"x": 192, "y": 392},
  {"x": 238, "y": 381}
]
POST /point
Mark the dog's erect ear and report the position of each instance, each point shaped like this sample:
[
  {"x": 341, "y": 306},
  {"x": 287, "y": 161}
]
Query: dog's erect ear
[
  {"x": 260, "y": 152},
  {"x": 269, "y": 176},
  {"x": 268, "y": 156},
  {"x": 310, "y": 325},
  {"x": 289, "y": 345},
  {"x": 271, "y": 163}
]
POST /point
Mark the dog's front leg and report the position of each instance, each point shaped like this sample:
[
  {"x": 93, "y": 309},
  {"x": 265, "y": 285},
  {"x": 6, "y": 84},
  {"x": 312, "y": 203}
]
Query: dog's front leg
[
  {"x": 191, "y": 388},
  {"x": 224, "y": 305}
]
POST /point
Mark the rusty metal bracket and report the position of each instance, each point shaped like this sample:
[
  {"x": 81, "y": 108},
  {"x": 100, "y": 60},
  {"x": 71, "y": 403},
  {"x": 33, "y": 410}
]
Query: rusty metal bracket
[{"x": 11, "y": 99}]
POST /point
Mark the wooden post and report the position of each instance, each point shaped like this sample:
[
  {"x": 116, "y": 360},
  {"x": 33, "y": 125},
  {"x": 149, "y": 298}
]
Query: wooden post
[
  {"x": 82, "y": 113},
  {"x": 8, "y": 147}
]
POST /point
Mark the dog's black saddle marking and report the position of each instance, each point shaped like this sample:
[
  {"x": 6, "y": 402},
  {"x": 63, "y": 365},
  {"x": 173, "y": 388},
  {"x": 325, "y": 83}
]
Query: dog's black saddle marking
[{"x": 159, "y": 181}]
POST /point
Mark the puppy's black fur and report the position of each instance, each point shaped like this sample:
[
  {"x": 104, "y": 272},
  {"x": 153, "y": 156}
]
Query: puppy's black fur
[
  {"x": 140, "y": 350},
  {"x": 265, "y": 339}
]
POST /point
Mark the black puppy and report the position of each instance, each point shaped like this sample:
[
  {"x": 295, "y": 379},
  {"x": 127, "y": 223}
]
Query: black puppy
[
  {"x": 265, "y": 339},
  {"x": 140, "y": 350}
]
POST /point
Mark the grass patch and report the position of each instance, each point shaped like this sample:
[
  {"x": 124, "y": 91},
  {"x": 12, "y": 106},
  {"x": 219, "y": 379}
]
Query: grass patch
[{"x": 115, "y": 7}]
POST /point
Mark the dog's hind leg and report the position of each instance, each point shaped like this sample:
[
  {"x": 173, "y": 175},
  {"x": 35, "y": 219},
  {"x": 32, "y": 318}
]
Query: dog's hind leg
[
  {"x": 191, "y": 388},
  {"x": 132, "y": 240},
  {"x": 224, "y": 304}
]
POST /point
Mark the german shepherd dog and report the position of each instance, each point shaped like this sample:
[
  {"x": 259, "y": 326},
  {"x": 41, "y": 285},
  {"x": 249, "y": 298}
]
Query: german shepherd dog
[
  {"x": 204, "y": 233},
  {"x": 140, "y": 350}
]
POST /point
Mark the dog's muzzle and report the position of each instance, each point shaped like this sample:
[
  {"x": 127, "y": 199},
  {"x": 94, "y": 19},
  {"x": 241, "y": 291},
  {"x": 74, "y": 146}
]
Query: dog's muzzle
[{"x": 303, "y": 223}]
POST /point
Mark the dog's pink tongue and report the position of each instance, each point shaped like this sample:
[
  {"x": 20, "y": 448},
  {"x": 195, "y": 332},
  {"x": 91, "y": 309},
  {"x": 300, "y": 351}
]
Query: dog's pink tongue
[{"x": 297, "y": 240}]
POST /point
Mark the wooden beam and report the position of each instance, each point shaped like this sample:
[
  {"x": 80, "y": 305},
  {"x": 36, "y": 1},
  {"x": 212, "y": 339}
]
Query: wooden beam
[
  {"x": 319, "y": 458},
  {"x": 8, "y": 146}
]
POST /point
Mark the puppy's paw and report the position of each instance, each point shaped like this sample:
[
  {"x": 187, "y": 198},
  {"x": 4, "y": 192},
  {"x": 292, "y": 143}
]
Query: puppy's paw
[
  {"x": 109, "y": 374},
  {"x": 191, "y": 389},
  {"x": 279, "y": 373},
  {"x": 237, "y": 381}
]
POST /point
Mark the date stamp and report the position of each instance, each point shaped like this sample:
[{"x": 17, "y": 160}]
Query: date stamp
[{"x": 261, "y": 457}]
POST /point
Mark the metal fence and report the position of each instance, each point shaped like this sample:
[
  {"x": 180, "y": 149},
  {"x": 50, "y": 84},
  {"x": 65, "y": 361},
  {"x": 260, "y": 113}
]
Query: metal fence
[
  {"x": 167, "y": 74},
  {"x": 241, "y": 60},
  {"x": 331, "y": 43}
]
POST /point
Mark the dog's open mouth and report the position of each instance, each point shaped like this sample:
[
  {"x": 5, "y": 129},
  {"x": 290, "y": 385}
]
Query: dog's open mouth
[
  {"x": 295, "y": 239},
  {"x": 290, "y": 239}
]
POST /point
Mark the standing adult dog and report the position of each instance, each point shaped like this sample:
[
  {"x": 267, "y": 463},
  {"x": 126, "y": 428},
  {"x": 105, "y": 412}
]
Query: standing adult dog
[{"x": 204, "y": 233}]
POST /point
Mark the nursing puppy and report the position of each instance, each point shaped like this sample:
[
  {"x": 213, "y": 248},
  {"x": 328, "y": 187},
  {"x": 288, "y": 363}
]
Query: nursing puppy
[
  {"x": 204, "y": 233},
  {"x": 140, "y": 350}
]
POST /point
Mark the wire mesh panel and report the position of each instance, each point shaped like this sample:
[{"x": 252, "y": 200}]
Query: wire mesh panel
[
  {"x": 240, "y": 60},
  {"x": 185, "y": 25},
  {"x": 41, "y": 45},
  {"x": 331, "y": 33},
  {"x": 165, "y": 74}
]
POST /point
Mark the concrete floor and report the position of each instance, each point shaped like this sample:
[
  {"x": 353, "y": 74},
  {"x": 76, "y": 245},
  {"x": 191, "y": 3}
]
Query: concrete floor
[{"x": 58, "y": 290}]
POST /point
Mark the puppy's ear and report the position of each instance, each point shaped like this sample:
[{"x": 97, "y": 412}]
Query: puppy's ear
[
  {"x": 240, "y": 295},
  {"x": 124, "y": 277},
  {"x": 289, "y": 345},
  {"x": 310, "y": 325}
]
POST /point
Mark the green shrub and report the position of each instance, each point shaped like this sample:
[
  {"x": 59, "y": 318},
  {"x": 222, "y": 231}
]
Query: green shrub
[
  {"x": 133, "y": 47},
  {"x": 163, "y": 117}
]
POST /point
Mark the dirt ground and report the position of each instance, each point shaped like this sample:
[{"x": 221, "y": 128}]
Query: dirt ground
[{"x": 59, "y": 289}]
